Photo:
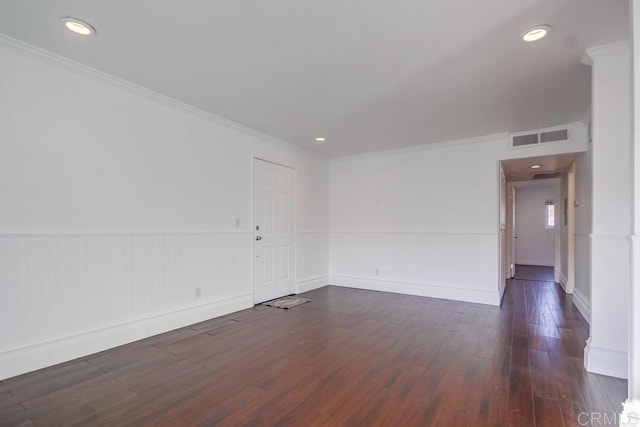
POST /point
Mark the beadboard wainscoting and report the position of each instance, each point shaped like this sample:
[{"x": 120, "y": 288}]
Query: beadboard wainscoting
[
  {"x": 583, "y": 269},
  {"x": 312, "y": 283},
  {"x": 312, "y": 259},
  {"x": 450, "y": 265},
  {"x": 582, "y": 288},
  {"x": 607, "y": 349},
  {"x": 66, "y": 296},
  {"x": 582, "y": 304}
]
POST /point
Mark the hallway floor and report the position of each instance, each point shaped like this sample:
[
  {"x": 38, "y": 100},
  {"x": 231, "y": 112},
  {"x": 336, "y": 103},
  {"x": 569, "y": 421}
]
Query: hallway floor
[
  {"x": 349, "y": 357},
  {"x": 534, "y": 273}
]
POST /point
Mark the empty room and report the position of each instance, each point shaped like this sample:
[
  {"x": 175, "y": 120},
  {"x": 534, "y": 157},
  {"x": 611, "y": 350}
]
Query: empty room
[{"x": 326, "y": 213}]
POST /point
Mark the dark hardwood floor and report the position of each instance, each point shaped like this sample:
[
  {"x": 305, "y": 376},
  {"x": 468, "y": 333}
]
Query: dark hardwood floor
[
  {"x": 534, "y": 272},
  {"x": 350, "y": 357}
]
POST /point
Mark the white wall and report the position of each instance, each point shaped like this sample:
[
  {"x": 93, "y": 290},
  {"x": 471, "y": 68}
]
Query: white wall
[
  {"x": 536, "y": 243},
  {"x": 118, "y": 203},
  {"x": 424, "y": 221},
  {"x": 606, "y": 351}
]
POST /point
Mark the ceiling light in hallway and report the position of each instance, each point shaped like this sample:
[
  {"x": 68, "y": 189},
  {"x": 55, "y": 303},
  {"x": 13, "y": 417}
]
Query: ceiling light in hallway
[
  {"x": 536, "y": 33},
  {"x": 78, "y": 26}
]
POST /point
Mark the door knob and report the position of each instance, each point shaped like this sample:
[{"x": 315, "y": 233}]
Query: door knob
[{"x": 258, "y": 238}]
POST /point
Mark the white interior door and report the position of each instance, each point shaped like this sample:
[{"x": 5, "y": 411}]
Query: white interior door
[{"x": 273, "y": 231}]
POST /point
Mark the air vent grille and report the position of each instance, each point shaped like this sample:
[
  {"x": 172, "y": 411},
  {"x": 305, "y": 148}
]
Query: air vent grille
[
  {"x": 520, "y": 140},
  {"x": 554, "y": 135},
  {"x": 527, "y": 139}
]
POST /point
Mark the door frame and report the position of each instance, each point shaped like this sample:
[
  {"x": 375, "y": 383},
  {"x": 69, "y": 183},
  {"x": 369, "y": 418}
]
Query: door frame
[
  {"x": 511, "y": 230},
  {"x": 503, "y": 258},
  {"x": 294, "y": 273}
]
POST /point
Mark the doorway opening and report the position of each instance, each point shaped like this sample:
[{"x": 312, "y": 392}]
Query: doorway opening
[
  {"x": 538, "y": 220},
  {"x": 534, "y": 229}
]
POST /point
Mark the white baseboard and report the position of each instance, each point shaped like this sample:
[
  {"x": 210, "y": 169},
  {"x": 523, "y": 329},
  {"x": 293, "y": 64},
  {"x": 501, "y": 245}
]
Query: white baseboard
[
  {"x": 419, "y": 289},
  {"x": 563, "y": 282},
  {"x": 501, "y": 294},
  {"x": 604, "y": 361},
  {"x": 27, "y": 359},
  {"x": 312, "y": 283},
  {"x": 582, "y": 304},
  {"x": 536, "y": 263}
]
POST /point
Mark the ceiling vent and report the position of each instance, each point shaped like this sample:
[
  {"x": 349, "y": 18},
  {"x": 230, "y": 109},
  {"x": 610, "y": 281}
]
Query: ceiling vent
[
  {"x": 528, "y": 139},
  {"x": 546, "y": 175}
]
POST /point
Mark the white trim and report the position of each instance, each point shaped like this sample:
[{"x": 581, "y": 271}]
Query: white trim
[
  {"x": 49, "y": 234},
  {"x": 434, "y": 232},
  {"x": 626, "y": 237},
  {"x": 146, "y": 93},
  {"x": 501, "y": 294},
  {"x": 38, "y": 356},
  {"x": 533, "y": 262},
  {"x": 419, "y": 289},
  {"x": 568, "y": 230},
  {"x": 312, "y": 283},
  {"x": 563, "y": 282},
  {"x": 273, "y": 161},
  {"x": 582, "y": 304},
  {"x": 592, "y": 52},
  {"x": 605, "y": 361}
]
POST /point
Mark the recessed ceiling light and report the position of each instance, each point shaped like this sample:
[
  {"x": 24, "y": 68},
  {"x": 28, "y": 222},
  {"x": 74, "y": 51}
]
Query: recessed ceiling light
[
  {"x": 78, "y": 26},
  {"x": 535, "y": 166},
  {"x": 536, "y": 33},
  {"x": 321, "y": 139}
]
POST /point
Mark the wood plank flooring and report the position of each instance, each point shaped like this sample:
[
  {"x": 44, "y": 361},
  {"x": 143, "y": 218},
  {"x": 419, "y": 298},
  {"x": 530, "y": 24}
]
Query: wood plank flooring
[
  {"x": 350, "y": 357},
  {"x": 534, "y": 272}
]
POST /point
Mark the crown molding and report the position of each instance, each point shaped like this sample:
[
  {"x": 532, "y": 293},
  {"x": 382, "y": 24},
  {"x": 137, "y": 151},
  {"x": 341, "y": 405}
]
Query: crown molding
[
  {"x": 593, "y": 52},
  {"x": 425, "y": 147},
  {"x": 151, "y": 95}
]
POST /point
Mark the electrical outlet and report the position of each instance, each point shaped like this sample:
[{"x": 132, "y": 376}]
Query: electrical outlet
[
  {"x": 377, "y": 271},
  {"x": 198, "y": 292},
  {"x": 237, "y": 222}
]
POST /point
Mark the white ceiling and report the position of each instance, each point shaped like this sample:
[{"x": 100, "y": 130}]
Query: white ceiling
[{"x": 368, "y": 74}]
